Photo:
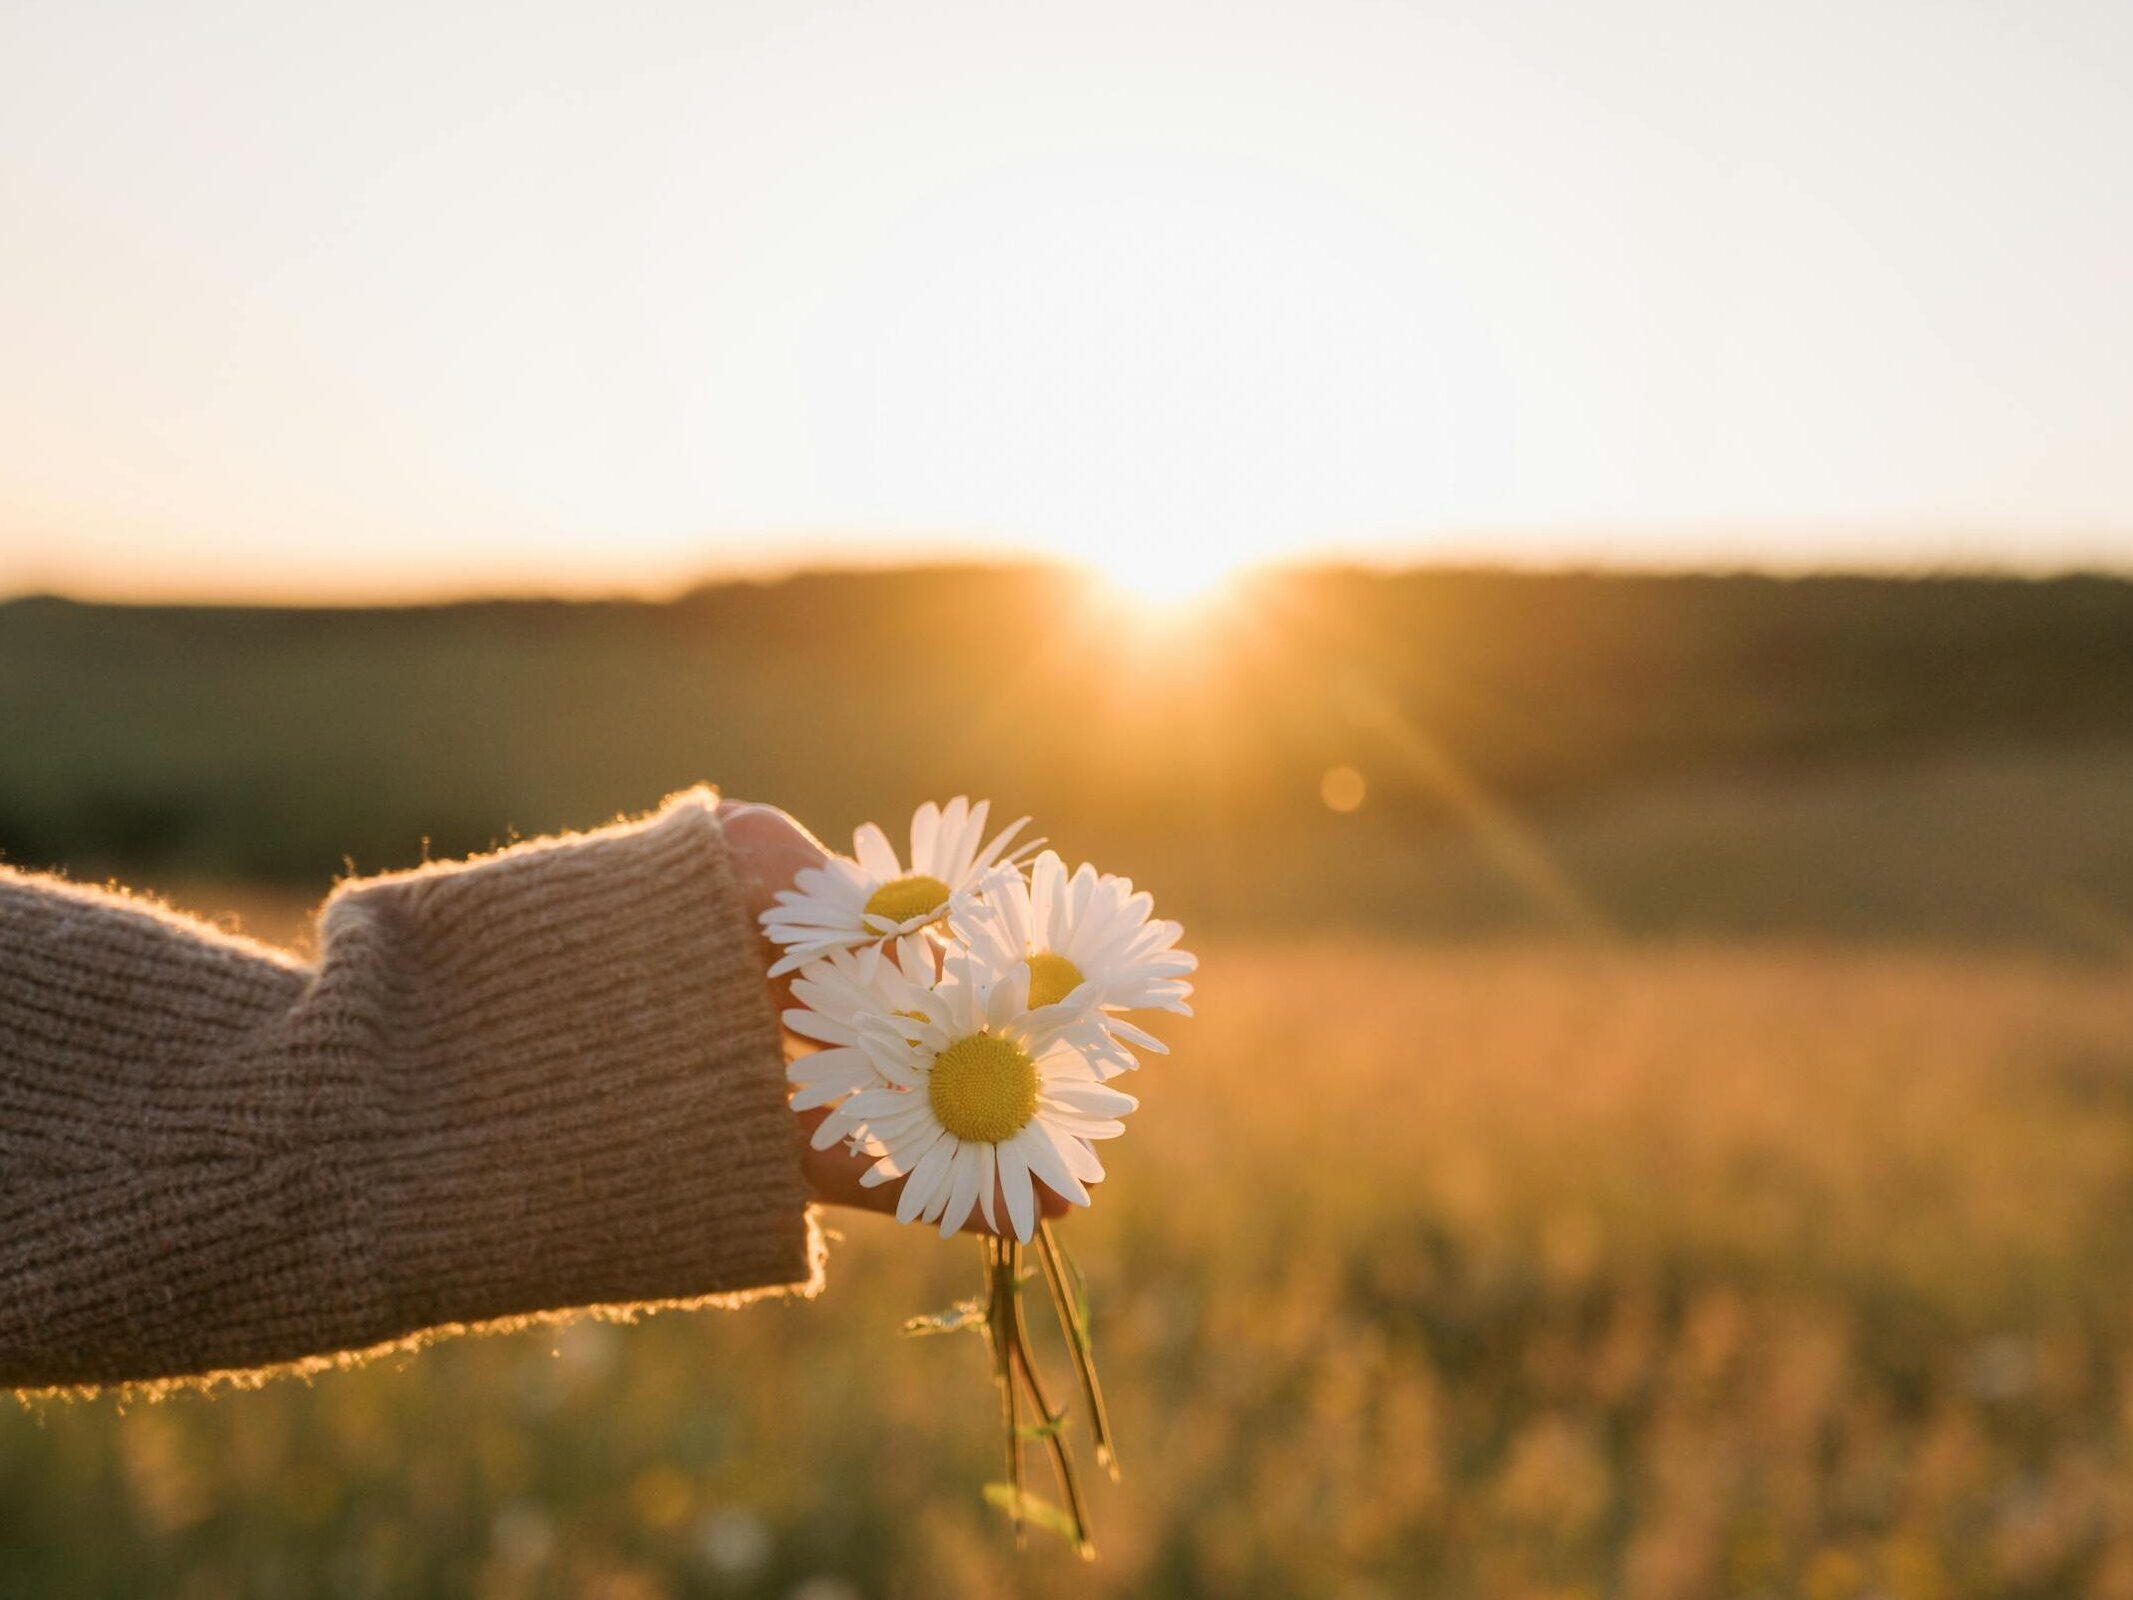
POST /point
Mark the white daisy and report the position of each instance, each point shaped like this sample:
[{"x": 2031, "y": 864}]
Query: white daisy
[
  {"x": 1089, "y": 943},
  {"x": 985, "y": 1087},
  {"x": 834, "y": 994},
  {"x": 845, "y": 903}
]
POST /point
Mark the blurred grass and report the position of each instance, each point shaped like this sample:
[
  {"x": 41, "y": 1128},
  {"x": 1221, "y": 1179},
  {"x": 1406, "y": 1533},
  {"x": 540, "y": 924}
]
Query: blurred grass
[
  {"x": 1516, "y": 1270},
  {"x": 1768, "y": 1235}
]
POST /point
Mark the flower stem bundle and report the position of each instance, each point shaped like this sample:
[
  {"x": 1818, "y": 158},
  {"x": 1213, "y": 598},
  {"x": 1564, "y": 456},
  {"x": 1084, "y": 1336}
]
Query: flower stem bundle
[{"x": 971, "y": 1006}]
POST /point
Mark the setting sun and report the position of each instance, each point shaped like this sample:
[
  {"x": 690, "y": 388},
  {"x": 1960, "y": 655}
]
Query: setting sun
[{"x": 1170, "y": 575}]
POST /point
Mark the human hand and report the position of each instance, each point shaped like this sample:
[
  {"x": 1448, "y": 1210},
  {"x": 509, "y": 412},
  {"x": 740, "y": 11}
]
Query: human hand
[{"x": 767, "y": 849}]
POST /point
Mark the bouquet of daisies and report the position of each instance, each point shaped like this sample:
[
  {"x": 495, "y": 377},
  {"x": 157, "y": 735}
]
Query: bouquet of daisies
[{"x": 971, "y": 1007}]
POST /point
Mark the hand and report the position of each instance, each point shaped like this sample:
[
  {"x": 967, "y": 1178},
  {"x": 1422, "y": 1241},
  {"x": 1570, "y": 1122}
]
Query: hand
[{"x": 767, "y": 849}]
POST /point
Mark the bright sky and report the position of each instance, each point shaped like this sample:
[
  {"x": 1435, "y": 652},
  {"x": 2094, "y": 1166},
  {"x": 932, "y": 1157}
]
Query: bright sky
[{"x": 401, "y": 298}]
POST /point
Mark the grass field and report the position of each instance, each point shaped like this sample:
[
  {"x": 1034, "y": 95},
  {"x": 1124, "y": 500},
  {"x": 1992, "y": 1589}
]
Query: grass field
[
  {"x": 1674, "y": 1140},
  {"x": 1509, "y": 1270}
]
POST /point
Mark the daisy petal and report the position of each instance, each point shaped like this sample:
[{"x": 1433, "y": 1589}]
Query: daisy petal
[
  {"x": 877, "y": 857},
  {"x": 1045, "y": 1162},
  {"x": 1014, "y": 1186},
  {"x": 962, "y": 1188},
  {"x": 927, "y": 1178},
  {"x": 1091, "y": 1099},
  {"x": 988, "y": 1180}
]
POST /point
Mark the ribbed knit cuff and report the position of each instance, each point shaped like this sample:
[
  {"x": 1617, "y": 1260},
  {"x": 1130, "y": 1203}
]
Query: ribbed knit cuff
[{"x": 586, "y": 1104}]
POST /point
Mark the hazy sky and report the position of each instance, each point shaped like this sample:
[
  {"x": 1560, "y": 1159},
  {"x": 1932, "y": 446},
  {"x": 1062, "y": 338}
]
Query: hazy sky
[{"x": 397, "y": 298}]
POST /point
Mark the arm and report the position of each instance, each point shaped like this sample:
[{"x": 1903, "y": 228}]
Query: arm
[{"x": 549, "y": 1078}]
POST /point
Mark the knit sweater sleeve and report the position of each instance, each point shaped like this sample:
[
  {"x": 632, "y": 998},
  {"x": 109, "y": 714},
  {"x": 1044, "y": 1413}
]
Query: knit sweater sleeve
[{"x": 542, "y": 1080}]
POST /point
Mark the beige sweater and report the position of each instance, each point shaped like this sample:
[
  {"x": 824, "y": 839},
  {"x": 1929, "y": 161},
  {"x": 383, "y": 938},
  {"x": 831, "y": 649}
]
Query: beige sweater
[{"x": 546, "y": 1079}]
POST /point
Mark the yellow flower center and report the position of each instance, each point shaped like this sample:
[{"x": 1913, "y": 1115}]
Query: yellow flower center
[
  {"x": 983, "y": 1088},
  {"x": 1051, "y": 979},
  {"x": 901, "y": 899}
]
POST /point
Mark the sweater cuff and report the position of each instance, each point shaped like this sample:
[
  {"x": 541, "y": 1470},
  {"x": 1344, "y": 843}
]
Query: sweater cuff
[{"x": 588, "y": 1108}]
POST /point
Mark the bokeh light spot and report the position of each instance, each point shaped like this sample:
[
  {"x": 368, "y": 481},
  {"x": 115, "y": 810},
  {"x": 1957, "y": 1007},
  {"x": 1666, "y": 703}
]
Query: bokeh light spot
[{"x": 1342, "y": 788}]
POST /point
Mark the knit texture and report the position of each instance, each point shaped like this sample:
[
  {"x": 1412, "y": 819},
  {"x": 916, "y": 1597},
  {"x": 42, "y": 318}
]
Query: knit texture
[{"x": 549, "y": 1078}]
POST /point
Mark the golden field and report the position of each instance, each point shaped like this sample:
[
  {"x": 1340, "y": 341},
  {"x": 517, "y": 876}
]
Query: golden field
[
  {"x": 1527, "y": 1268},
  {"x": 1673, "y": 1139}
]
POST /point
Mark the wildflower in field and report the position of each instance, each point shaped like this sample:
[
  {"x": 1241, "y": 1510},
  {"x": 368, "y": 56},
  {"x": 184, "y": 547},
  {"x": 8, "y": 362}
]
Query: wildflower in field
[
  {"x": 851, "y": 901},
  {"x": 1090, "y": 942},
  {"x": 979, "y": 1085},
  {"x": 835, "y": 994}
]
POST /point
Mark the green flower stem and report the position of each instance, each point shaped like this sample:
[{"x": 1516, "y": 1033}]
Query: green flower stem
[
  {"x": 1074, "y": 1324},
  {"x": 1000, "y": 1323},
  {"x": 1055, "y": 1435}
]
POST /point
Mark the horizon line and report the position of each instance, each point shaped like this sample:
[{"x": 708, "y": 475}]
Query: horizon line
[{"x": 364, "y": 597}]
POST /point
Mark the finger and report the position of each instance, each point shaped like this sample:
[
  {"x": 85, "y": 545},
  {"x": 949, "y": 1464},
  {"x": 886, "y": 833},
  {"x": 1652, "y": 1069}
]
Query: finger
[
  {"x": 833, "y": 1175},
  {"x": 766, "y": 850}
]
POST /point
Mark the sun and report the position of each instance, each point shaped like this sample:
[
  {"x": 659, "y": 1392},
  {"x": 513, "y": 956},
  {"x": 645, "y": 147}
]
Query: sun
[{"x": 1167, "y": 576}]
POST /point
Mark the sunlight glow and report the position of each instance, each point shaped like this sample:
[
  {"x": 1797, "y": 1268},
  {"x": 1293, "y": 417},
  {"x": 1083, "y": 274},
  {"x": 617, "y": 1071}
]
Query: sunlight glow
[
  {"x": 777, "y": 284},
  {"x": 1164, "y": 577}
]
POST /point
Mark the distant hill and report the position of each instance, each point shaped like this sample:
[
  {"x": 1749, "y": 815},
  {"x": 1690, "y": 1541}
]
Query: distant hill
[{"x": 1498, "y": 719}]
